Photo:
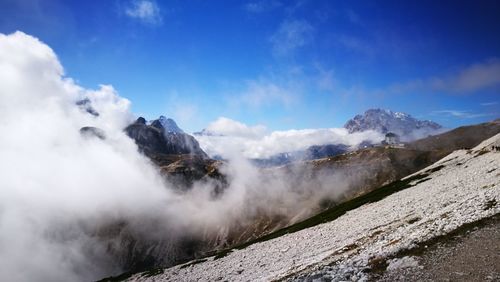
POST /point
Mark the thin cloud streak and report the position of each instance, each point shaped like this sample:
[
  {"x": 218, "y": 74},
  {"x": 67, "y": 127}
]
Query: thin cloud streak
[
  {"x": 468, "y": 80},
  {"x": 290, "y": 36},
  {"x": 146, "y": 11},
  {"x": 461, "y": 114},
  {"x": 262, "y": 6},
  {"x": 489, "y": 104}
]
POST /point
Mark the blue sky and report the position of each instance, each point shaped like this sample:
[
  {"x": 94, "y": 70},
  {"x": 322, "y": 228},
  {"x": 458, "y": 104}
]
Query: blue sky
[{"x": 284, "y": 64}]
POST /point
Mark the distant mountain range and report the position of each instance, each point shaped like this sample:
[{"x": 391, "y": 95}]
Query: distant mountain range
[
  {"x": 311, "y": 153},
  {"x": 162, "y": 137},
  {"x": 380, "y": 120}
]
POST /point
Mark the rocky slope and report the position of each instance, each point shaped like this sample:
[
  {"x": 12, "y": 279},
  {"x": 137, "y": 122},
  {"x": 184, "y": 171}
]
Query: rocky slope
[
  {"x": 355, "y": 243},
  {"x": 177, "y": 154},
  {"x": 464, "y": 137}
]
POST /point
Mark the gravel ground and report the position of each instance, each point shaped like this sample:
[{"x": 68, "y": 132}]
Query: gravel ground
[{"x": 472, "y": 255}]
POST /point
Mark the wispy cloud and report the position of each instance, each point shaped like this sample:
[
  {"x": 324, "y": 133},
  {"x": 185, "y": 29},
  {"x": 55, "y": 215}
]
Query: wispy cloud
[
  {"x": 262, "y": 6},
  {"x": 460, "y": 114},
  {"x": 146, "y": 11},
  {"x": 228, "y": 127},
  {"x": 326, "y": 80},
  {"x": 356, "y": 44},
  {"x": 291, "y": 35},
  {"x": 473, "y": 78},
  {"x": 489, "y": 104},
  {"x": 260, "y": 93}
]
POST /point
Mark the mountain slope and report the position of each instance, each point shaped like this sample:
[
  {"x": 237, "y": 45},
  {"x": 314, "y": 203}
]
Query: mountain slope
[
  {"x": 368, "y": 169},
  {"x": 441, "y": 198},
  {"x": 458, "y": 138}
]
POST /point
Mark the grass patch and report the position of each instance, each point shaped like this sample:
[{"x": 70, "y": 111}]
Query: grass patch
[
  {"x": 118, "y": 278},
  {"x": 490, "y": 204},
  {"x": 222, "y": 254},
  {"x": 480, "y": 153},
  {"x": 377, "y": 265},
  {"x": 413, "y": 220},
  {"x": 434, "y": 169},
  {"x": 153, "y": 272},
  {"x": 194, "y": 262}
]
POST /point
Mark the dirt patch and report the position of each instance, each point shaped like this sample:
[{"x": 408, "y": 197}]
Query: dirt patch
[{"x": 471, "y": 253}]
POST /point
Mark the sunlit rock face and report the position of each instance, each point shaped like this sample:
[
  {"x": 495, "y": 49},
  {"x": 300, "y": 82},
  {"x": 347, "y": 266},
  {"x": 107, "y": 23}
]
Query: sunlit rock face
[{"x": 385, "y": 121}]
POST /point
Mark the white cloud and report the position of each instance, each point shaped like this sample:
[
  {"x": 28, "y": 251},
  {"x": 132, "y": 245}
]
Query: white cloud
[
  {"x": 52, "y": 179},
  {"x": 290, "y": 36},
  {"x": 147, "y": 11},
  {"x": 461, "y": 114},
  {"x": 228, "y": 127},
  {"x": 262, "y": 6},
  {"x": 255, "y": 142}
]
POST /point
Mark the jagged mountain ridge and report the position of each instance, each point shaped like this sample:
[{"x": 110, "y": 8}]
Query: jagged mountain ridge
[
  {"x": 166, "y": 124},
  {"x": 384, "y": 121},
  {"x": 163, "y": 136}
]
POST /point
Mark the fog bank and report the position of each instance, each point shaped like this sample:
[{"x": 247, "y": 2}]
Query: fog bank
[{"x": 67, "y": 199}]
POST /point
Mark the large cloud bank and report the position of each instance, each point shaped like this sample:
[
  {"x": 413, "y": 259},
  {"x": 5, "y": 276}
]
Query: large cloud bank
[
  {"x": 52, "y": 177},
  {"x": 63, "y": 194},
  {"x": 226, "y": 136}
]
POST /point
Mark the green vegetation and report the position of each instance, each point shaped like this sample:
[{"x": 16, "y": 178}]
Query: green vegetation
[
  {"x": 193, "y": 262},
  {"x": 153, "y": 272},
  {"x": 118, "y": 278}
]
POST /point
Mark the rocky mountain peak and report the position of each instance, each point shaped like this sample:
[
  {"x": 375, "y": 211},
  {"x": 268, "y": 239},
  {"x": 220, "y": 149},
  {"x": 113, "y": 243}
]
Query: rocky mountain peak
[
  {"x": 163, "y": 136},
  {"x": 141, "y": 120},
  {"x": 166, "y": 124},
  {"x": 385, "y": 121},
  {"x": 86, "y": 106}
]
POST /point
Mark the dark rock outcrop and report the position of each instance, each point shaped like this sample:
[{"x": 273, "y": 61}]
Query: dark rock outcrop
[
  {"x": 156, "y": 139},
  {"x": 86, "y": 106},
  {"x": 92, "y": 132}
]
